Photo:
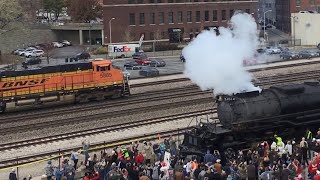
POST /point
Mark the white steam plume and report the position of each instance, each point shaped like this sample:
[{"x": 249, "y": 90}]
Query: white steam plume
[{"x": 216, "y": 62}]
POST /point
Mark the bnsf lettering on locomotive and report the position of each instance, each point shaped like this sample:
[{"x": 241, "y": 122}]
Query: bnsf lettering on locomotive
[
  {"x": 105, "y": 75},
  {"x": 23, "y": 83}
]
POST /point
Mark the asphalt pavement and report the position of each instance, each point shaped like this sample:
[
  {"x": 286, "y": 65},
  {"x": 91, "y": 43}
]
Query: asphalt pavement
[{"x": 173, "y": 63}]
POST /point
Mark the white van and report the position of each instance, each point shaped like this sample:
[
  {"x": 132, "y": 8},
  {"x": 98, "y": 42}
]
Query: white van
[{"x": 122, "y": 50}]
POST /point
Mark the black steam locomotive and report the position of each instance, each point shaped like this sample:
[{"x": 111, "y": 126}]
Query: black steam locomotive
[{"x": 250, "y": 117}]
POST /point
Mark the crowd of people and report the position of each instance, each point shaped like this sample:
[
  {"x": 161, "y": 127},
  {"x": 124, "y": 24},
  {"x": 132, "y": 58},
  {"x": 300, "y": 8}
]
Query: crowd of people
[{"x": 159, "y": 161}]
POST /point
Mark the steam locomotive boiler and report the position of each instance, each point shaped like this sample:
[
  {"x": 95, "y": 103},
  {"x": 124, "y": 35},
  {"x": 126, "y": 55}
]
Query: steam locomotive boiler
[
  {"x": 250, "y": 117},
  {"x": 274, "y": 106}
]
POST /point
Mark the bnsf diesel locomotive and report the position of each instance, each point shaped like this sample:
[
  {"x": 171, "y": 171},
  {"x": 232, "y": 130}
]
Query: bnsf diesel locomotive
[{"x": 65, "y": 83}]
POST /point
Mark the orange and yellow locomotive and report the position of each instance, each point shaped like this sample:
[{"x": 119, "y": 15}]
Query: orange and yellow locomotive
[{"x": 64, "y": 83}]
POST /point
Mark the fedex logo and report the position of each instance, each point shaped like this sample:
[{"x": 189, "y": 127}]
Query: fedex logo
[{"x": 123, "y": 49}]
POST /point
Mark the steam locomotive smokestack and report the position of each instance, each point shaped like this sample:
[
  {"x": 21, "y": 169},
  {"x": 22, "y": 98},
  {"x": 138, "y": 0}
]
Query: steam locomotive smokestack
[{"x": 216, "y": 62}]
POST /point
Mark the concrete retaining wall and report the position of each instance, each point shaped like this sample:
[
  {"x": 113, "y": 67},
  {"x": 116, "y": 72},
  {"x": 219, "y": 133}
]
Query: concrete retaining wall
[{"x": 23, "y": 38}]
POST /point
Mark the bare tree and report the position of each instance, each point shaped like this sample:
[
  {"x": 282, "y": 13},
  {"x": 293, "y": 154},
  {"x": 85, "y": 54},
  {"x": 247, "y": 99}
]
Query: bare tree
[
  {"x": 157, "y": 35},
  {"x": 10, "y": 14},
  {"x": 128, "y": 37},
  {"x": 84, "y": 10},
  {"x": 201, "y": 27}
]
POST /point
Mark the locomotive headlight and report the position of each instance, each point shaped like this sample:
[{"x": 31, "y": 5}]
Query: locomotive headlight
[
  {"x": 114, "y": 82},
  {"x": 201, "y": 124}
]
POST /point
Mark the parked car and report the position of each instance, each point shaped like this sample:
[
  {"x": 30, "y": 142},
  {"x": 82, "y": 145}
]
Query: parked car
[
  {"x": 157, "y": 62},
  {"x": 269, "y": 26},
  {"x": 318, "y": 46},
  {"x": 83, "y": 55},
  {"x": 149, "y": 71},
  {"x": 289, "y": 55},
  {"x": 182, "y": 59},
  {"x": 308, "y": 54},
  {"x": 273, "y": 50},
  {"x": 37, "y": 53},
  {"x": 57, "y": 44},
  {"x": 31, "y": 61},
  {"x": 138, "y": 55},
  {"x": 143, "y": 61},
  {"x": 26, "y": 51},
  {"x": 16, "y": 51},
  {"x": 261, "y": 50},
  {"x": 66, "y": 43},
  {"x": 132, "y": 65}
]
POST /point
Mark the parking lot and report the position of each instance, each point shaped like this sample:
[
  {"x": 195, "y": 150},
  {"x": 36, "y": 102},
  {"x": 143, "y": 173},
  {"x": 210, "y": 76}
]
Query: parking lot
[{"x": 173, "y": 63}]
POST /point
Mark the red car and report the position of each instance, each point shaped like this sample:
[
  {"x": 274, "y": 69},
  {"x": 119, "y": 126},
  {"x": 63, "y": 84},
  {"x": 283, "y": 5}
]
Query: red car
[{"x": 143, "y": 61}]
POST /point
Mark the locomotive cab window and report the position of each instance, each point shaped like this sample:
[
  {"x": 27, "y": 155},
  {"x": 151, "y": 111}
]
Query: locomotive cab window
[{"x": 103, "y": 68}]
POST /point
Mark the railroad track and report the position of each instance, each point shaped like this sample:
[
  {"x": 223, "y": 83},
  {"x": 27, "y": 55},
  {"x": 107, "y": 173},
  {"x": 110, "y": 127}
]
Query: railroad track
[
  {"x": 107, "y": 115},
  {"x": 251, "y": 70},
  {"x": 158, "y": 95},
  {"x": 44, "y": 112},
  {"x": 8, "y": 162},
  {"x": 143, "y": 97},
  {"x": 195, "y": 91},
  {"x": 109, "y": 128},
  {"x": 191, "y": 91}
]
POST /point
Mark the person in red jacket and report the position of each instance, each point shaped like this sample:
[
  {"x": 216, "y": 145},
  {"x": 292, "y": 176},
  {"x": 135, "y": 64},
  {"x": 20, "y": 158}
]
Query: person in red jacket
[
  {"x": 317, "y": 176},
  {"x": 139, "y": 159},
  {"x": 312, "y": 168}
]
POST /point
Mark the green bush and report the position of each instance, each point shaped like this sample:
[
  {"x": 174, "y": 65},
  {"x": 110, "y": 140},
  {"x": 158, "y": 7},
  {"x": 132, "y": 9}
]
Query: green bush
[{"x": 101, "y": 50}]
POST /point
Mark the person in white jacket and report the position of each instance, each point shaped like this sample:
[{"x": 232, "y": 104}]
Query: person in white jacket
[{"x": 288, "y": 148}]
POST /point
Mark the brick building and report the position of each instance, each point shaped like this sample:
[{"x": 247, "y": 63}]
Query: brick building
[
  {"x": 284, "y": 8},
  {"x": 167, "y": 19}
]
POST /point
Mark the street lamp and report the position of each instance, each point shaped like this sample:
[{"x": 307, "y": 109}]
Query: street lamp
[
  {"x": 264, "y": 23},
  {"x": 110, "y": 28}
]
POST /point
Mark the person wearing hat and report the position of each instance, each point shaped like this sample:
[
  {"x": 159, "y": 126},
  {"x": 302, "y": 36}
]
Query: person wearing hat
[
  {"x": 12, "y": 175},
  {"x": 218, "y": 166},
  {"x": 50, "y": 170}
]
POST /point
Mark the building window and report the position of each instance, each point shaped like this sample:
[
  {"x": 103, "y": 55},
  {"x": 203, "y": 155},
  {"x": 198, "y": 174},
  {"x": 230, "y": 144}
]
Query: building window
[
  {"x": 223, "y": 15},
  {"x": 132, "y": 19},
  {"x": 141, "y": 18},
  {"x": 131, "y": 1},
  {"x": 311, "y": 2},
  {"x": 170, "y": 17},
  {"x": 151, "y": 1},
  {"x": 159, "y": 1},
  {"x": 206, "y": 15},
  {"x": 231, "y": 13},
  {"x": 161, "y": 17},
  {"x": 140, "y": 2},
  {"x": 198, "y": 16},
  {"x": 248, "y": 11},
  {"x": 298, "y": 2},
  {"x": 152, "y": 36},
  {"x": 215, "y": 15},
  {"x": 152, "y": 18},
  {"x": 189, "y": 16},
  {"x": 170, "y": 1},
  {"x": 180, "y": 17}
]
